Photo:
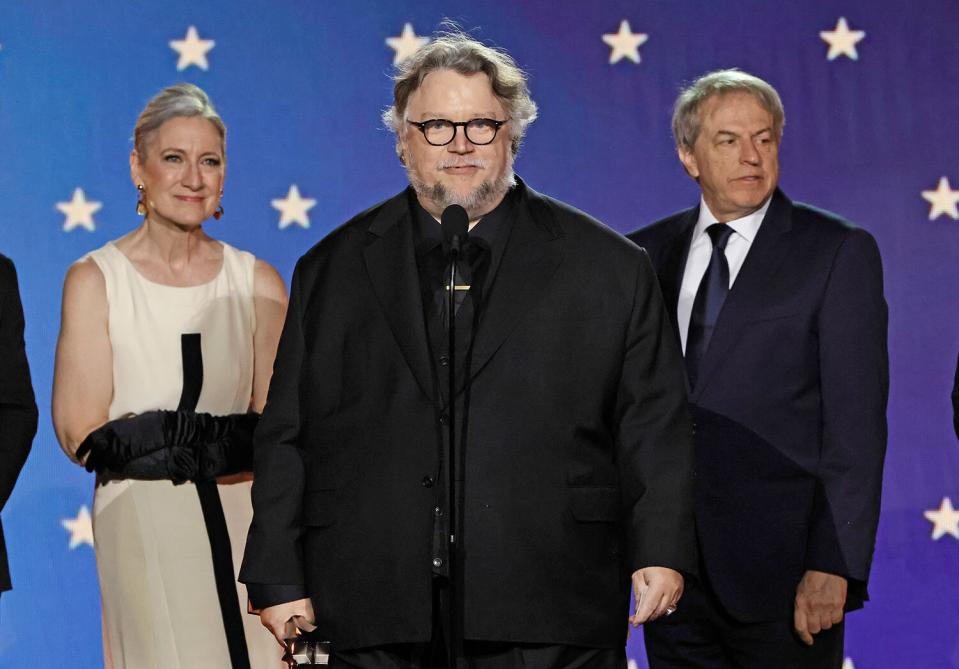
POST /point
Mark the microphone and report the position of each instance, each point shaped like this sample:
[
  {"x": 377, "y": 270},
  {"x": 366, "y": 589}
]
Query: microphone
[{"x": 455, "y": 224}]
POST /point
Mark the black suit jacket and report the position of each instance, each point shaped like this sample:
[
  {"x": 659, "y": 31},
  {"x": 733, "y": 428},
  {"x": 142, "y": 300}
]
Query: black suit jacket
[
  {"x": 577, "y": 464},
  {"x": 18, "y": 409},
  {"x": 789, "y": 409}
]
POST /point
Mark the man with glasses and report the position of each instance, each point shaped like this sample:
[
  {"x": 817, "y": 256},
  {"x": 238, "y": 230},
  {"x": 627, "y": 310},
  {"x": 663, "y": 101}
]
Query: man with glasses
[{"x": 573, "y": 445}]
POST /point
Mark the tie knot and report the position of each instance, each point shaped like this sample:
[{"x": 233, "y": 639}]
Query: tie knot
[{"x": 719, "y": 234}]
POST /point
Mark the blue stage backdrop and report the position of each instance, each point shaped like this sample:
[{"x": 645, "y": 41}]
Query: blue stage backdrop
[{"x": 871, "y": 89}]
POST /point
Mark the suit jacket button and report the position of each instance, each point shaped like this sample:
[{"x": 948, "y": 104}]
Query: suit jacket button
[
  {"x": 427, "y": 481},
  {"x": 444, "y": 360},
  {"x": 444, "y": 418}
]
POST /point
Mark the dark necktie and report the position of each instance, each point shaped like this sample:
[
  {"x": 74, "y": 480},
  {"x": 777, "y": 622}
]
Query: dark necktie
[
  {"x": 471, "y": 273},
  {"x": 709, "y": 301}
]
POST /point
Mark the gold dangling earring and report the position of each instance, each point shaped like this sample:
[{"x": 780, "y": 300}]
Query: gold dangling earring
[
  {"x": 141, "y": 205},
  {"x": 219, "y": 210}
]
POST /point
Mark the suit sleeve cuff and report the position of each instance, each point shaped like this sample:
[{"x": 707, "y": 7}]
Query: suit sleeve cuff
[{"x": 264, "y": 595}]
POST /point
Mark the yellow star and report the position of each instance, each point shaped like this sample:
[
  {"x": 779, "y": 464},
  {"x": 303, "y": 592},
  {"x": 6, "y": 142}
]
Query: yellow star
[
  {"x": 79, "y": 212},
  {"x": 192, "y": 50},
  {"x": 943, "y": 200},
  {"x": 945, "y": 520},
  {"x": 842, "y": 41},
  {"x": 293, "y": 208},
  {"x": 625, "y": 43},
  {"x": 80, "y": 528},
  {"x": 406, "y": 44}
]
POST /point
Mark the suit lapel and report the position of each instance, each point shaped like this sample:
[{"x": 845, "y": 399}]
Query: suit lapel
[
  {"x": 748, "y": 294},
  {"x": 673, "y": 264},
  {"x": 391, "y": 264},
  {"x": 533, "y": 253}
]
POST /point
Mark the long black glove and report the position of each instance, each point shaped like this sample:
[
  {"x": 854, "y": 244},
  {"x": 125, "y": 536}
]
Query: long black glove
[
  {"x": 175, "y": 445},
  {"x": 227, "y": 447}
]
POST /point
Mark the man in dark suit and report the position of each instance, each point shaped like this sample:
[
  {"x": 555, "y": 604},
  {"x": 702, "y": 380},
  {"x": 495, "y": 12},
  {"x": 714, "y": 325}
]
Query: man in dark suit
[
  {"x": 18, "y": 409},
  {"x": 780, "y": 311},
  {"x": 573, "y": 465}
]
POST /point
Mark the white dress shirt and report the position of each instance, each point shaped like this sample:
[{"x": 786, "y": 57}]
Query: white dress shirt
[{"x": 700, "y": 250}]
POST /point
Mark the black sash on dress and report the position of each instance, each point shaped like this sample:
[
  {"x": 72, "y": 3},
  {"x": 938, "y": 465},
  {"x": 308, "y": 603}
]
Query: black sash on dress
[{"x": 213, "y": 518}]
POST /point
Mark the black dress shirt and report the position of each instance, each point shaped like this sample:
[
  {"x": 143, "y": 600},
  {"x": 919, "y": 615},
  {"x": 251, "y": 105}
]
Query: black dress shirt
[{"x": 480, "y": 259}]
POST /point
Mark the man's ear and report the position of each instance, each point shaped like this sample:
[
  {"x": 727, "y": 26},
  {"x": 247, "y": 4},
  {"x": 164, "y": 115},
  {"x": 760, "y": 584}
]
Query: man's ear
[
  {"x": 401, "y": 146},
  {"x": 688, "y": 159}
]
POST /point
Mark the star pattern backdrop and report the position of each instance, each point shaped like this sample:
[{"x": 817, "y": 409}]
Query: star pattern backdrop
[{"x": 871, "y": 89}]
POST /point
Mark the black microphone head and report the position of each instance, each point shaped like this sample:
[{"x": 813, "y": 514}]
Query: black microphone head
[{"x": 455, "y": 222}]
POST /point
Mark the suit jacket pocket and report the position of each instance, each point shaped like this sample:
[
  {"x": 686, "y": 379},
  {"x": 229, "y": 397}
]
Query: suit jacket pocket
[
  {"x": 319, "y": 508},
  {"x": 595, "y": 504}
]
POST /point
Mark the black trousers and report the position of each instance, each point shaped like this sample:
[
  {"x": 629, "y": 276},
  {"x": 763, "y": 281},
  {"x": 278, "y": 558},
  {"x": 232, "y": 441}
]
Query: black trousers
[
  {"x": 701, "y": 635},
  {"x": 475, "y": 654}
]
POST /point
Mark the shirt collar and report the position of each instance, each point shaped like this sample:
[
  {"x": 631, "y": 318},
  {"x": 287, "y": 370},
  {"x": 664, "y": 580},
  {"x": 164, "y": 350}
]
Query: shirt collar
[
  {"x": 493, "y": 228},
  {"x": 747, "y": 226}
]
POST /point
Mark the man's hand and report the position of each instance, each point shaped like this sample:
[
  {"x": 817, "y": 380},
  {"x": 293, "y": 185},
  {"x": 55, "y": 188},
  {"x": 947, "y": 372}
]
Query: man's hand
[
  {"x": 283, "y": 619},
  {"x": 819, "y": 601},
  {"x": 656, "y": 589}
]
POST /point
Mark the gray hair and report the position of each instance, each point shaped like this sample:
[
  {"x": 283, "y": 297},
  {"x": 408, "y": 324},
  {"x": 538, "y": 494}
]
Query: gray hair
[
  {"x": 174, "y": 102},
  {"x": 686, "y": 119},
  {"x": 457, "y": 51}
]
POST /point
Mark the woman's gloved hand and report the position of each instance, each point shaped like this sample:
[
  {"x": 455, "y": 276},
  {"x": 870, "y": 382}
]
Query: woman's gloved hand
[{"x": 175, "y": 445}]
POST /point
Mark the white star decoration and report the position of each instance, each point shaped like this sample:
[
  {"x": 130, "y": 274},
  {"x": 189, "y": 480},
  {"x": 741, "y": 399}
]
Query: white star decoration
[
  {"x": 943, "y": 200},
  {"x": 192, "y": 50},
  {"x": 842, "y": 41},
  {"x": 80, "y": 528},
  {"x": 945, "y": 520},
  {"x": 625, "y": 43},
  {"x": 79, "y": 211},
  {"x": 847, "y": 664},
  {"x": 406, "y": 44},
  {"x": 293, "y": 208}
]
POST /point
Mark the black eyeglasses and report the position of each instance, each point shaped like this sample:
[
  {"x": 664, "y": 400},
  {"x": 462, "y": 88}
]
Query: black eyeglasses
[{"x": 440, "y": 132}]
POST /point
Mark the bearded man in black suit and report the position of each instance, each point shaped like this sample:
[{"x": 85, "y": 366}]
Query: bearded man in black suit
[
  {"x": 780, "y": 311},
  {"x": 574, "y": 461}
]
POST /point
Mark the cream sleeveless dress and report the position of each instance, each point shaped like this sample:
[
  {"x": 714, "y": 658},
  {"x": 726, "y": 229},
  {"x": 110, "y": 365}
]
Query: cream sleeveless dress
[{"x": 160, "y": 605}]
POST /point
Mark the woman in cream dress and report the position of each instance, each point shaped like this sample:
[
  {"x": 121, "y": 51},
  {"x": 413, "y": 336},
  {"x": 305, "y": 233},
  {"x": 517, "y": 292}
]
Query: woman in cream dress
[{"x": 165, "y": 318}]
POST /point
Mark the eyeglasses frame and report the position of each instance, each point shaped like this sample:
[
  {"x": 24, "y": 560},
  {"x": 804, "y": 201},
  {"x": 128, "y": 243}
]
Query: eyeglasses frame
[{"x": 421, "y": 125}]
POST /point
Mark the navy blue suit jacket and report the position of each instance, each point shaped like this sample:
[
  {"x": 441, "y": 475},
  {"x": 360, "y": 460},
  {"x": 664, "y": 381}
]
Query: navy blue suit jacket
[{"x": 789, "y": 408}]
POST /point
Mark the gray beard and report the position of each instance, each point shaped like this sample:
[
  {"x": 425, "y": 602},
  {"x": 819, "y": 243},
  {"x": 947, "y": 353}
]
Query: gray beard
[{"x": 477, "y": 202}]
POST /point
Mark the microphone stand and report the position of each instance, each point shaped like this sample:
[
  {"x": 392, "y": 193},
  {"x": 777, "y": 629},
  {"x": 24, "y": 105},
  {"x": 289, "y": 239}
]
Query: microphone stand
[{"x": 452, "y": 601}]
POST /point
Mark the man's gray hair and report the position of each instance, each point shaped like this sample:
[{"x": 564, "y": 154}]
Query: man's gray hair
[
  {"x": 457, "y": 51},
  {"x": 174, "y": 102},
  {"x": 686, "y": 118}
]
